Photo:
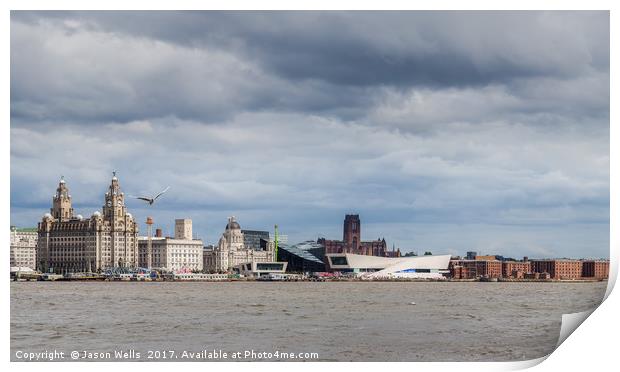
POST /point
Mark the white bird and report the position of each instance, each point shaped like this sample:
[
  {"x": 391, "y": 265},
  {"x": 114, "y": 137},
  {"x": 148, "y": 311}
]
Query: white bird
[{"x": 151, "y": 200}]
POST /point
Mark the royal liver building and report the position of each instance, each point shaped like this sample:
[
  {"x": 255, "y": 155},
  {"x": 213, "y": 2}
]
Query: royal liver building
[{"x": 71, "y": 243}]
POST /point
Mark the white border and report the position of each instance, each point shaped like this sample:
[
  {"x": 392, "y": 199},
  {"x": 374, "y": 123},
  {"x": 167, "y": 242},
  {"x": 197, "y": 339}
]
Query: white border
[{"x": 592, "y": 345}]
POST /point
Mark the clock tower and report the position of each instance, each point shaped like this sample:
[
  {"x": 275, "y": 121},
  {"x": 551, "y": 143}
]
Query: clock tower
[
  {"x": 114, "y": 208},
  {"x": 61, "y": 204},
  {"x": 121, "y": 226}
]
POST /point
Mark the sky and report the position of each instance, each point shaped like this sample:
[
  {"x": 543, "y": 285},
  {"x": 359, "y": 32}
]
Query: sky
[{"x": 445, "y": 131}]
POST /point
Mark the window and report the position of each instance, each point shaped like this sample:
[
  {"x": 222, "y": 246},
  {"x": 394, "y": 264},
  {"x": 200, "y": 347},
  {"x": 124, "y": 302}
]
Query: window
[
  {"x": 262, "y": 266},
  {"x": 338, "y": 260}
]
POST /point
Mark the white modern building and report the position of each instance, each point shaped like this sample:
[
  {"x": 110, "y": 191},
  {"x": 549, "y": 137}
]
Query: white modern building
[
  {"x": 178, "y": 254},
  {"x": 258, "y": 269},
  {"x": 231, "y": 251},
  {"x": 373, "y": 267},
  {"x": 24, "y": 247}
]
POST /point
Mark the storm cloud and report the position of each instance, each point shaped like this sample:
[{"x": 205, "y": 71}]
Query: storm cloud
[{"x": 446, "y": 131}]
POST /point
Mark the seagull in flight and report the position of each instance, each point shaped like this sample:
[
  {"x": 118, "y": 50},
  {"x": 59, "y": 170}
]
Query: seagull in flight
[{"x": 151, "y": 200}]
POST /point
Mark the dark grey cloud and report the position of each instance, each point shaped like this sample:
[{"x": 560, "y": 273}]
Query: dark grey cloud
[
  {"x": 426, "y": 123},
  {"x": 387, "y": 47},
  {"x": 330, "y": 62}
]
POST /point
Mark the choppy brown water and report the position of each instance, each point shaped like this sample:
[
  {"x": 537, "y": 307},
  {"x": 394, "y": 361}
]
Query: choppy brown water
[{"x": 341, "y": 321}]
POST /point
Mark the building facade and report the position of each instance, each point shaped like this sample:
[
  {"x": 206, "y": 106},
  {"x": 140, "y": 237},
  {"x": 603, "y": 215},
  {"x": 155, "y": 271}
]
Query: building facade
[
  {"x": 595, "y": 269},
  {"x": 558, "y": 268},
  {"x": 179, "y": 254},
  {"x": 373, "y": 267},
  {"x": 24, "y": 247},
  {"x": 170, "y": 254},
  {"x": 70, "y": 243},
  {"x": 516, "y": 269},
  {"x": 231, "y": 251},
  {"x": 472, "y": 269}
]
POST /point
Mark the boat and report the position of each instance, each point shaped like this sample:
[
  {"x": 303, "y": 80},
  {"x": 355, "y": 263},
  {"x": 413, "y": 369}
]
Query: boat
[
  {"x": 51, "y": 277},
  {"x": 278, "y": 277}
]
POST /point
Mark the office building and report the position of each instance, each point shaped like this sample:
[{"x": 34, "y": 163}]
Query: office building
[
  {"x": 178, "y": 254},
  {"x": 24, "y": 247},
  {"x": 71, "y": 243},
  {"x": 257, "y": 240}
]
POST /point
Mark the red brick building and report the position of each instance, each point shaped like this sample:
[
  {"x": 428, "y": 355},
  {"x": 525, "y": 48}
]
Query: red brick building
[
  {"x": 595, "y": 269},
  {"x": 458, "y": 271},
  {"x": 536, "y": 276},
  {"x": 471, "y": 269},
  {"x": 559, "y": 268},
  {"x": 515, "y": 269}
]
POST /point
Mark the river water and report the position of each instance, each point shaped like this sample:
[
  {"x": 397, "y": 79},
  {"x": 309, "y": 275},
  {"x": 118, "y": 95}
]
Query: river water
[{"x": 339, "y": 321}]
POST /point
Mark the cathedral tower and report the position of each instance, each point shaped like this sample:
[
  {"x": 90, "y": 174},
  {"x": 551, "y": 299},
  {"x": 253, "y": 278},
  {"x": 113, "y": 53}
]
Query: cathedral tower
[{"x": 352, "y": 231}]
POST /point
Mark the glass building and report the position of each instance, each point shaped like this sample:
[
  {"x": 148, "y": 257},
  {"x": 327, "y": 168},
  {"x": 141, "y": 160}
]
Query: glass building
[
  {"x": 257, "y": 240},
  {"x": 303, "y": 257}
]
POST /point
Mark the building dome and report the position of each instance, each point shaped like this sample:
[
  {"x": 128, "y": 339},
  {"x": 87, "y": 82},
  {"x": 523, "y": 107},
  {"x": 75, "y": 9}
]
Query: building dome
[
  {"x": 97, "y": 214},
  {"x": 80, "y": 217},
  {"x": 47, "y": 215},
  {"x": 232, "y": 224}
]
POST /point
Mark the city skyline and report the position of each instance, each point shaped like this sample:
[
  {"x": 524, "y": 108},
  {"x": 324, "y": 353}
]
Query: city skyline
[{"x": 496, "y": 142}]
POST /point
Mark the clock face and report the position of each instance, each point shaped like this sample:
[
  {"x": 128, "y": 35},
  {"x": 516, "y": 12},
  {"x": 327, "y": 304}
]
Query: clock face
[{"x": 109, "y": 203}]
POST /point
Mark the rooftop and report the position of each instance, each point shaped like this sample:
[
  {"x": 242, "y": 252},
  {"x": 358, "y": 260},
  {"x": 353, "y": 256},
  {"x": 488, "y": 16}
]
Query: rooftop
[{"x": 24, "y": 229}]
